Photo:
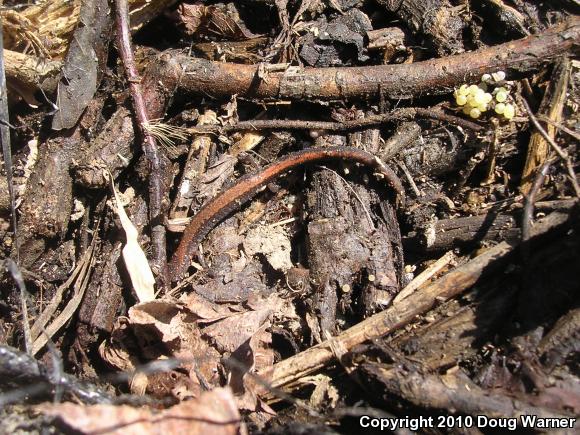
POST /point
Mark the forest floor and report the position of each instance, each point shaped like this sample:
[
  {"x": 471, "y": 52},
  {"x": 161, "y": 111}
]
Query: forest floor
[{"x": 289, "y": 216}]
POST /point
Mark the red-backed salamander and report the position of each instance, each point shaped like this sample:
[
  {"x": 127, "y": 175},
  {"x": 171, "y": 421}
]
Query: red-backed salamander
[{"x": 249, "y": 185}]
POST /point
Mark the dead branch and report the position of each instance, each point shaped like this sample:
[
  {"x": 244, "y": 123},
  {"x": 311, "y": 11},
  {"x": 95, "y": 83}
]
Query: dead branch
[
  {"x": 159, "y": 165},
  {"x": 450, "y": 391},
  {"x": 396, "y": 115},
  {"x": 434, "y": 76}
]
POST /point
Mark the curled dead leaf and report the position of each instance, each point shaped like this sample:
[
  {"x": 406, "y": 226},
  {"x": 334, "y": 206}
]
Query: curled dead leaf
[{"x": 214, "y": 412}]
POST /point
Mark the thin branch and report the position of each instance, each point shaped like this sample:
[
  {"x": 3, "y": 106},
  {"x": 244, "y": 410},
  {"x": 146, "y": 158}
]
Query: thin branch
[
  {"x": 559, "y": 126},
  {"x": 6, "y": 149},
  {"x": 561, "y": 153},
  {"x": 530, "y": 199},
  {"x": 403, "y": 114},
  {"x": 157, "y": 161}
]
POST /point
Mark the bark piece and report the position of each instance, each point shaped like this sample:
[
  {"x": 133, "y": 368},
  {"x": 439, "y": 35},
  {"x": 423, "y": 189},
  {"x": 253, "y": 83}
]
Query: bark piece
[
  {"x": 84, "y": 64},
  {"x": 388, "y": 38},
  {"x": 437, "y": 20},
  {"x": 112, "y": 150},
  {"x": 338, "y": 42},
  {"x": 552, "y": 106},
  {"x": 461, "y": 232},
  {"x": 47, "y": 204}
]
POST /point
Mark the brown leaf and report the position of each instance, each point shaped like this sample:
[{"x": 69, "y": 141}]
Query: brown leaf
[
  {"x": 219, "y": 20},
  {"x": 230, "y": 333},
  {"x": 214, "y": 412}
]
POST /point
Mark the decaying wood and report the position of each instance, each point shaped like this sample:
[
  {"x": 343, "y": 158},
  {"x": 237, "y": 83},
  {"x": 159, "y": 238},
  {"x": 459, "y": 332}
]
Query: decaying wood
[
  {"x": 47, "y": 203},
  {"x": 113, "y": 150},
  {"x": 390, "y": 38},
  {"x": 455, "y": 336},
  {"x": 104, "y": 292},
  {"x": 291, "y": 370},
  {"x": 552, "y": 107},
  {"x": 451, "y": 233},
  {"x": 346, "y": 242},
  {"x": 26, "y": 74},
  {"x": 450, "y": 391},
  {"x": 201, "y": 77},
  {"x": 436, "y": 19},
  {"x": 562, "y": 341},
  {"x": 193, "y": 170},
  {"x": 388, "y": 41},
  {"x": 403, "y": 136},
  {"x": 507, "y": 17}
]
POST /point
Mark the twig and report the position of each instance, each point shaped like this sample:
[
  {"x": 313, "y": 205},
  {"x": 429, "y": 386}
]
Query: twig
[
  {"x": 559, "y": 126},
  {"x": 157, "y": 161},
  {"x": 424, "y": 276},
  {"x": 6, "y": 149},
  {"x": 403, "y": 114},
  {"x": 409, "y": 177},
  {"x": 530, "y": 199},
  {"x": 17, "y": 276},
  {"x": 561, "y": 153}
]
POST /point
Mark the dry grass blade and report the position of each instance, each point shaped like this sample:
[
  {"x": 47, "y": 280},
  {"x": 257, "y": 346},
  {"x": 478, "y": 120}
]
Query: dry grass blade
[
  {"x": 167, "y": 134},
  {"x": 81, "y": 283},
  {"x": 135, "y": 260}
]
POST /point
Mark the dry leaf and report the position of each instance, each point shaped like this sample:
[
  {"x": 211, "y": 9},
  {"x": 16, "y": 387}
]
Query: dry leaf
[
  {"x": 273, "y": 243},
  {"x": 167, "y": 329},
  {"x": 134, "y": 257},
  {"x": 220, "y": 20},
  {"x": 215, "y": 412}
]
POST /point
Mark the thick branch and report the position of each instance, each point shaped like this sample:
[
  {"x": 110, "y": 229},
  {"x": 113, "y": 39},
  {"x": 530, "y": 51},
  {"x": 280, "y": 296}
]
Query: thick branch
[{"x": 202, "y": 77}]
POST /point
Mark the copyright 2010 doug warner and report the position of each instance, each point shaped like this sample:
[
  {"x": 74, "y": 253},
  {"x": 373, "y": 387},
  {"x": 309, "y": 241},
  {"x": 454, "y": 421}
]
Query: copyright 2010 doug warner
[{"x": 456, "y": 422}]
